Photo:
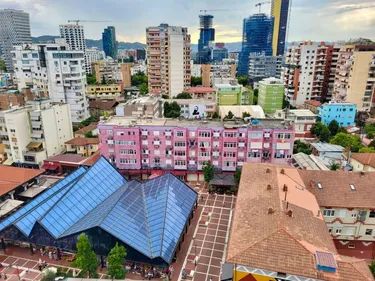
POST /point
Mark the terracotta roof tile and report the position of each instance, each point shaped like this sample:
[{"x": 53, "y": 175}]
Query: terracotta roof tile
[
  {"x": 11, "y": 177},
  {"x": 82, "y": 141},
  {"x": 336, "y": 192},
  {"x": 92, "y": 159},
  {"x": 364, "y": 158},
  {"x": 103, "y": 105},
  {"x": 270, "y": 233},
  {"x": 87, "y": 129}
]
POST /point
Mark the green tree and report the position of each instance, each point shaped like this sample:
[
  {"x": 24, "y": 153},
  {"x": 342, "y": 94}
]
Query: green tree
[
  {"x": 237, "y": 176},
  {"x": 301, "y": 147},
  {"x": 255, "y": 100},
  {"x": 325, "y": 134},
  {"x": 372, "y": 268},
  {"x": 346, "y": 140},
  {"x": 366, "y": 150},
  {"x": 90, "y": 135},
  {"x": 116, "y": 259},
  {"x": 91, "y": 80},
  {"x": 49, "y": 275},
  {"x": 334, "y": 166},
  {"x": 172, "y": 110},
  {"x": 103, "y": 80},
  {"x": 143, "y": 89},
  {"x": 333, "y": 127},
  {"x": 245, "y": 114},
  {"x": 341, "y": 130},
  {"x": 230, "y": 115},
  {"x": 165, "y": 97},
  {"x": 88, "y": 121},
  {"x": 3, "y": 66},
  {"x": 370, "y": 128},
  {"x": 215, "y": 115},
  {"x": 138, "y": 79},
  {"x": 86, "y": 259},
  {"x": 243, "y": 80},
  {"x": 196, "y": 81},
  {"x": 183, "y": 96},
  {"x": 372, "y": 144},
  {"x": 208, "y": 172},
  {"x": 370, "y": 135}
]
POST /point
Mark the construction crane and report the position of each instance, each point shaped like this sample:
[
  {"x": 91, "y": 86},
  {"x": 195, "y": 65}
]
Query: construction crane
[
  {"x": 78, "y": 21},
  {"x": 260, "y": 4},
  {"x": 220, "y": 10}
]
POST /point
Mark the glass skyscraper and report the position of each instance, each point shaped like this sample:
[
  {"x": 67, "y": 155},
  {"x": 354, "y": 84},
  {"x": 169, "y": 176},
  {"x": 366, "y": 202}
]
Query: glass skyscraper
[
  {"x": 280, "y": 13},
  {"x": 109, "y": 42},
  {"x": 206, "y": 36},
  {"x": 256, "y": 39}
]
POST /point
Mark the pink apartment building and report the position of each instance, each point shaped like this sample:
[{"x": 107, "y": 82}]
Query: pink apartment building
[{"x": 141, "y": 147}]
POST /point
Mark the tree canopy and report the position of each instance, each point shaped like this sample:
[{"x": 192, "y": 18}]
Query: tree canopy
[
  {"x": 88, "y": 121},
  {"x": 243, "y": 80},
  {"x": 321, "y": 131},
  {"x": 230, "y": 115},
  {"x": 116, "y": 259},
  {"x": 333, "y": 127},
  {"x": 86, "y": 259},
  {"x": 172, "y": 110},
  {"x": 196, "y": 81},
  {"x": 245, "y": 114},
  {"x": 143, "y": 89},
  {"x": 208, "y": 172},
  {"x": 91, "y": 80},
  {"x": 90, "y": 135},
  {"x": 138, "y": 79},
  {"x": 3, "y": 66},
  {"x": 334, "y": 167},
  {"x": 346, "y": 140},
  {"x": 49, "y": 275},
  {"x": 183, "y": 96},
  {"x": 301, "y": 147}
]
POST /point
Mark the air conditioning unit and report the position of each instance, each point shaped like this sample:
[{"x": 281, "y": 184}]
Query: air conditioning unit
[{"x": 362, "y": 214}]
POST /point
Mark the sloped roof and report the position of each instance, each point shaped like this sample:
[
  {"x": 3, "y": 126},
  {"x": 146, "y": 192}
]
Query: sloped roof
[
  {"x": 11, "y": 177},
  {"x": 264, "y": 236},
  {"x": 103, "y": 105},
  {"x": 336, "y": 191},
  {"x": 82, "y": 141},
  {"x": 87, "y": 129},
  {"x": 364, "y": 158},
  {"x": 149, "y": 217}
]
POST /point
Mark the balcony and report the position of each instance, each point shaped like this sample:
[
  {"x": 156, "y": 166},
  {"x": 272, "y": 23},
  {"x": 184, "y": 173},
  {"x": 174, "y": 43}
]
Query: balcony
[{"x": 3, "y": 133}]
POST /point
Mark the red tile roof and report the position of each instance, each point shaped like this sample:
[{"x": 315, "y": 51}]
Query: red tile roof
[
  {"x": 268, "y": 232},
  {"x": 200, "y": 90},
  {"x": 12, "y": 177},
  {"x": 314, "y": 103},
  {"x": 87, "y": 129},
  {"x": 103, "y": 105},
  {"x": 82, "y": 141},
  {"x": 365, "y": 158},
  {"x": 92, "y": 159}
]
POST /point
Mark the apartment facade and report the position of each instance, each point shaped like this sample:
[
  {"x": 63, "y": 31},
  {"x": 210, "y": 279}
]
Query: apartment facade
[
  {"x": 271, "y": 94},
  {"x": 355, "y": 76},
  {"x": 92, "y": 55},
  {"x": 145, "y": 145},
  {"x": 14, "y": 30},
  {"x": 35, "y": 132},
  {"x": 168, "y": 54},
  {"x": 55, "y": 71},
  {"x": 105, "y": 92},
  {"x": 195, "y": 108},
  {"x": 301, "y": 119},
  {"x": 306, "y": 72},
  {"x": 232, "y": 94},
  {"x": 261, "y": 67},
  {"x": 344, "y": 113},
  {"x": 362, "y": 161},
  {"x": 280, "y": 14},
  {"x": 346, "y": 202},
  {"x": 149, "y": 106},
  {"x": 109, "y": 42}
]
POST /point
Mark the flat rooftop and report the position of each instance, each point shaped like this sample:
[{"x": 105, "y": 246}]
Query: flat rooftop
[
  {"x": 191, "y": 101},
  {"x": 320, "y": 146},
  {"x": 238, "y": 123},
  {"x": 302, "y": 113}
]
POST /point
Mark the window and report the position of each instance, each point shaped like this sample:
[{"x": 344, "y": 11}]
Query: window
[
  {"x": 354, "y": 214},
  {"x": 109, "y": 132},
  {"x": 192, "y": 134},
  {"x": 180, "y": 133},
  {"x": 372, "y": 214},
  {"x": 330, "y": 228},
  {"x": 128, "y": 151},
  {"x": 204, "y": 154},
  {"x": 180, "y": 162},
  {"x": 180, "y": 153},
  {"x": 230, "y": 144},
  {"x": 338, "y": 230},
  {"x": 230, "y": 134},
  {"x": 179, "y": 144},
  {"x": 128, "y": 161},
  {"x": 204, "y": 144},
  {"x": 204, "y": 134},
  {"x": 254, "y": 154},
  {"x": 328, "y": 213},
  {"x": 368, "y": 232},
  {"x": 256, "y": 135},
  {"x": 156, "y": 133},
  {"x": 351, "y": 246},
  {"x": 229, "y": 154}
]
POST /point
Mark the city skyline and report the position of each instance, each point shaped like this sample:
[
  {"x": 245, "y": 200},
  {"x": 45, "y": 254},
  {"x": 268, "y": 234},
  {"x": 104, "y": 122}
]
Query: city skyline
[{"x": 347, "y": 18}]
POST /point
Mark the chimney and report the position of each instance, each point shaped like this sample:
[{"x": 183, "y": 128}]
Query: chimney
[
  {"x": 268, "y": 170},
  {"x": 285, "y": 188},
  {"x": 289, "y": 213},
  {"x": 270, "y": 210},
  {"x": 362, "y": 173},
  {"x": 269, "y": 187},
  {"x": 312, "y": 183},
  {"x": 282, "y": 171}
]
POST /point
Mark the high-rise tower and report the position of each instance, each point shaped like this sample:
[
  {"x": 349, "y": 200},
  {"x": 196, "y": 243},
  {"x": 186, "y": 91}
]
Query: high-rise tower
[
  {"x": 14, "y": 30},
  {"x": 206, "y": 36},
  {"x": 256, "y": 39},
  {"x": 280, "y": 13},
  {"x": 109, "y": 42}
]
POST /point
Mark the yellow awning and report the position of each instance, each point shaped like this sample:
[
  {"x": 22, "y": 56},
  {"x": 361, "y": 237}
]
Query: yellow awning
[{"x": 34, "y": 145}]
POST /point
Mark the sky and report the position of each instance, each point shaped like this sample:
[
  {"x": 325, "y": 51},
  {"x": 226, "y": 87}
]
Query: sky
[{"x": 316, "y": 20}]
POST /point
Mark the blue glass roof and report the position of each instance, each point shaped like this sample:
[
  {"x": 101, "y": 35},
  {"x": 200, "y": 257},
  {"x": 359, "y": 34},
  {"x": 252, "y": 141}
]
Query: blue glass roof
[{"x": 149, "y": 217}]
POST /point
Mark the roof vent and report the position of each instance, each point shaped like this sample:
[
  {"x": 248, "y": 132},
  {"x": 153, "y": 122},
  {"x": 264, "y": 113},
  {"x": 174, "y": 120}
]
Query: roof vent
[
  {"x": 285, "y": 188},
  {"x": 320, "y": 186},
  {"x": 362, "y": 173},
  {"x": 269, "y": 187},
  {"x": 352, "y": 187},
  {"x": 268, "y": 170},
  {"x": 289, "y": 213},
  {"x": 282, "y": 171},
  {"x": 270, "y": 210},
  {"x": 312, "y": 183}
]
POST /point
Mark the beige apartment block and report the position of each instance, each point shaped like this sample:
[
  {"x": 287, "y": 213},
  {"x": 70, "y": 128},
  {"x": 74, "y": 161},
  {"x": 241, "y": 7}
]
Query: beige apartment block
[{"x": 206, "y": 75}]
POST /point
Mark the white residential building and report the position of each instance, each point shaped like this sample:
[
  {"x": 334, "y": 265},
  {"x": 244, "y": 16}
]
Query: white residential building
[
  {"x": 35, "y": 132},
  {"x": 56, "y": 71},
  {"x": 196, "y": 69},
  {"x": 139, "y": 68},
  {"x": 168, "y": 54},
  {"x": 74, "y": 35},
  {"x": 92, "y": 55}
]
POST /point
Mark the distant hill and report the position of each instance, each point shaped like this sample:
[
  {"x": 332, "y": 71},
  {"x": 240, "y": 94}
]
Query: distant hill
[{"x": 92, "y": 43}]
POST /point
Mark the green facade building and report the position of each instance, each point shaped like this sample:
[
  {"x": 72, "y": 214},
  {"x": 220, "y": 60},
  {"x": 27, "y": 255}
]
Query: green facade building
[
  {"x": 271, "y": 94},
  {"x": 233, "y": 94}
]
